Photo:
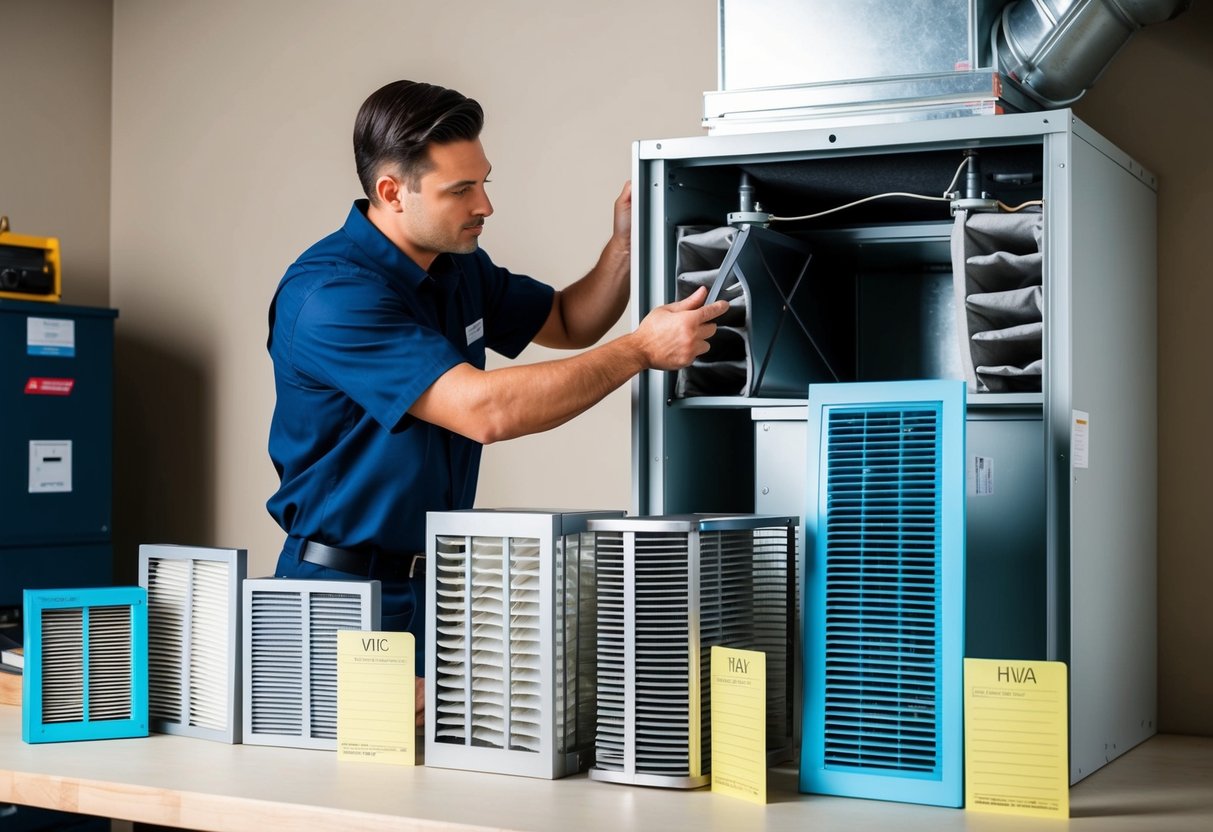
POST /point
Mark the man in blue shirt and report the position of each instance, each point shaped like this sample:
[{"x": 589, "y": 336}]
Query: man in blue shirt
[{"x": 378, "y": 335}]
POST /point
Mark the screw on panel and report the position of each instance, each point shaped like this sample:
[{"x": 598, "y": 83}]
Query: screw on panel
[
  {"x": 766, "y": 490},
  {"x": 766, "y": 427}
]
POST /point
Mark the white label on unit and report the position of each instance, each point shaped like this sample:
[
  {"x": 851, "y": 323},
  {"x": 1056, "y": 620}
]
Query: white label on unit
[
  {"x": 1080, "y": 439},
  {"x": 983, "y": 475},
  {"x": 50, "y": 466},
  {"x": 50, "y": 336}
]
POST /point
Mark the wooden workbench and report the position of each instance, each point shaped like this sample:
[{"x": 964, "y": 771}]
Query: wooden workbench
[{"x": 196, "y": 784}]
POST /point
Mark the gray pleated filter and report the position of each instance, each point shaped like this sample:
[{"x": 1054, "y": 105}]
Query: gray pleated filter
[
  {"x": 510, "y": 645},
  {"x": 193, "y": 613},
  {"x": 669, "y": 589},
  {"x": 290, "y": 656}
]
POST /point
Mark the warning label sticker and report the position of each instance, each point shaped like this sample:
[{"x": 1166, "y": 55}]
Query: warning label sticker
[{"x": 49, "y": 386}]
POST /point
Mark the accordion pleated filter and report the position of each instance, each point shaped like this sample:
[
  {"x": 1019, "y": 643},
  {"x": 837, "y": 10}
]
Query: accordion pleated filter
[
  {"x": 85, "y": 673},
  {"x": 510, "y": 661},
  {"x": 194, "y": 639},
  {"x": 669, "y": 589},
  {"x": 290, "y": 656},
  {"x": 884, "y": 631}
]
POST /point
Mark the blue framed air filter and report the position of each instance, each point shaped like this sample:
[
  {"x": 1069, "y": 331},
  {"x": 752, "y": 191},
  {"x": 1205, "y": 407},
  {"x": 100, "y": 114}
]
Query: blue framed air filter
[
  {"x": 85, "y": 664},
  {"x": 884, "y": 601}
]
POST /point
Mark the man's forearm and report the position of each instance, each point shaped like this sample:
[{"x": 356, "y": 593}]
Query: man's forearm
[
  {"x": 489, "y": 406},
  {"x": 515, "y": 401}
]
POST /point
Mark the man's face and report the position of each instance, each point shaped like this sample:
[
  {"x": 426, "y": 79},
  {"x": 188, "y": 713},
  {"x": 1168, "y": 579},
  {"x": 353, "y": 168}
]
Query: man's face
[{"x": 447, "y": 212}]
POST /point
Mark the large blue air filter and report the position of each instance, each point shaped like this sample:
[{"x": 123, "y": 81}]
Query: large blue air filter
[{"x": 884, "y": 612}]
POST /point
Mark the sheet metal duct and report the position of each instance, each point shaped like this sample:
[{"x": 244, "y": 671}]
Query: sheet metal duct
[{"x": 1058, "y": 48}]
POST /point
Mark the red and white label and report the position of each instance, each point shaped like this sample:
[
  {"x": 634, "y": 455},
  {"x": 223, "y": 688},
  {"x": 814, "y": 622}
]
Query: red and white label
[{"x": 49, "y": 386}]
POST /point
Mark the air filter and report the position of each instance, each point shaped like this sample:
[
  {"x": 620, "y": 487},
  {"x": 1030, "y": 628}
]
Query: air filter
[
  {"x": 290, "y": 656},
  {"x": 669, "y": 589},
  {"x": 510, "y": 658},
  {"x": 193, "y": 612},
  {"x": 85, "y": 672},
  {"x": 884, "y": 627}
]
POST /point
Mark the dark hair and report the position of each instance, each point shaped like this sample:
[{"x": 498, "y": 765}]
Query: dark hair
[{"x": 399, "y": 121}]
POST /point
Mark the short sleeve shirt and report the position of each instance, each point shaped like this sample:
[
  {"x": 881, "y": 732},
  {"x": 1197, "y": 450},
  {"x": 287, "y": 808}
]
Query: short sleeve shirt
[{"x": 358, "y": 332}]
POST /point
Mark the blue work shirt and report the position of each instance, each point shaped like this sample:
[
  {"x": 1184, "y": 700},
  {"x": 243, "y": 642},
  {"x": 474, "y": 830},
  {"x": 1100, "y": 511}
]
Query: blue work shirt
[{"x": 358, "y": 332}]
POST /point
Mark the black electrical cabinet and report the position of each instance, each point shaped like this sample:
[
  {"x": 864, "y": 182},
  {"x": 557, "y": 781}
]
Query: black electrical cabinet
[{"x": 56, "y": 447}]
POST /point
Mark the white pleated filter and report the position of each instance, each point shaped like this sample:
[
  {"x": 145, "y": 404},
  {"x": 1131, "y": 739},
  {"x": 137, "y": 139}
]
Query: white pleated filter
[
  {"x": 193, "y": 615},
  {"x": 210, "y": 660},
  {"x": 452, "y": 614},
  {"x": 506, "y": 707},
  {"x": 168, "y": 598}
]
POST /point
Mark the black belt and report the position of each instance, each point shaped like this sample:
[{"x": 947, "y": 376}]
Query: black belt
[{"x": 360, "y": 563}]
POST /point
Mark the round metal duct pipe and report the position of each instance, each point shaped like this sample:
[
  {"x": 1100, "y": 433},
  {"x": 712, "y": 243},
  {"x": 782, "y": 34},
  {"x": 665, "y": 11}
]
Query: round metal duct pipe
[{"x": 1058, "y": 48}]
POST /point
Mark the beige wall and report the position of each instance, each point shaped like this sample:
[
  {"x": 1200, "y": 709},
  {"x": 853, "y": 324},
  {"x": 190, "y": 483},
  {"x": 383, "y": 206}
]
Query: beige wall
[
  {"x": 231, "y": 154},
  {"x": 55, "y": 134},
  {"x": 1150, "y": 101}
]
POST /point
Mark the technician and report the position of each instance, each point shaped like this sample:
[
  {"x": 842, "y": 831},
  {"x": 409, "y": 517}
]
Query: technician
[{"x": 378, "y": 335}]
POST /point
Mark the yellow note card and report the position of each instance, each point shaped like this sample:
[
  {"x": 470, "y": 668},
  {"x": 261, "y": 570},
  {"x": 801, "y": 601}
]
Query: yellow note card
[
  {"x": 375, "y": 708},
  {"x": 1016, "y": 737},
  {"x": 739, "y": 723}
]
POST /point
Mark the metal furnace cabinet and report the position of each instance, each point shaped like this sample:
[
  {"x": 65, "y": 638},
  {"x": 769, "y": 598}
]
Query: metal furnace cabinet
[
  {"x": 1061, "y": 523},
  {"x": 56, "y": 446}
]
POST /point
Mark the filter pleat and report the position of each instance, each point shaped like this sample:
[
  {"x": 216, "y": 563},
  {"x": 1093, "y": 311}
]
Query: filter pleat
[
  {"x": 168, "y": 595},
  {"x": 109, "y": 663},
  {"x": 276, "y": 662},
  {"x": 63, "y": 665}
]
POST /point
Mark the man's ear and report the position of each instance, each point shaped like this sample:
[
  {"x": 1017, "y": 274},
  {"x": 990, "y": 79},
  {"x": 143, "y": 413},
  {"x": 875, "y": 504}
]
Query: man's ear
[{"x": 389, "y": 192}]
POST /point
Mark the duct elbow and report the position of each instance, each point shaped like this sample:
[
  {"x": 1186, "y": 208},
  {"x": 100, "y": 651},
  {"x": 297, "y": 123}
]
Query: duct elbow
[{"x": 1057, "y": 49}]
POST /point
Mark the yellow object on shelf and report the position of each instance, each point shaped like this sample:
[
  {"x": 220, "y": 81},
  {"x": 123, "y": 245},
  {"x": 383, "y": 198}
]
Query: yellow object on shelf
[{"x": 29, "y": 266}]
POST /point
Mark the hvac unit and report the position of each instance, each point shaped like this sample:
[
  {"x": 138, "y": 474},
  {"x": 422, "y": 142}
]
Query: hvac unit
[
  {"x": 1049, "y": 311},
  {"x": 85, "y": 674},
  {"x": 290, "y": 656},
  {"x": 193, "y": 611},
  {"x": 510, "y": 664},
  {"x": 884, "y": 629},
  {"x": 669, "y": 589}
]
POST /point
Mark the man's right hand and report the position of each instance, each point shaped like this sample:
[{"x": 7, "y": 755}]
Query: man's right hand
[{"x": 672, "y": 336}]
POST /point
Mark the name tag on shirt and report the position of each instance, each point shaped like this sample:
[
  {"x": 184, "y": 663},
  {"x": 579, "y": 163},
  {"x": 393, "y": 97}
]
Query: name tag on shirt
[{"x": 475, "y": 331}]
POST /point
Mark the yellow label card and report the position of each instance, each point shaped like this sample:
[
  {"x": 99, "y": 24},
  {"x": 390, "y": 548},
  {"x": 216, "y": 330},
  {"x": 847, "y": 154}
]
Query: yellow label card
[
  {"x": 739, "y": 723},
  {"x": 375, "y": 708},
  {"x": 1016, "y": 737}
]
